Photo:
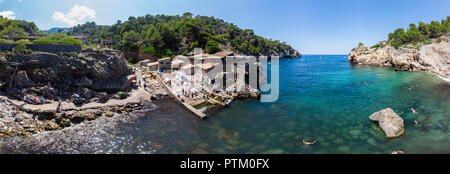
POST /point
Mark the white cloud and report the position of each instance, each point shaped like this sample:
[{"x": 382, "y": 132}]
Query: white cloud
[
  {"x": 2, "y": 0},
  {"x": 78, "y": 14},
  {"x": 8, "y": 14}
]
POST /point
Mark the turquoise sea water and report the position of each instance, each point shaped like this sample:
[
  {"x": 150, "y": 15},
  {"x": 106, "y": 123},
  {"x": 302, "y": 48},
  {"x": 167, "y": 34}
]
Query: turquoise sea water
[{"x": 324, "y": 99}]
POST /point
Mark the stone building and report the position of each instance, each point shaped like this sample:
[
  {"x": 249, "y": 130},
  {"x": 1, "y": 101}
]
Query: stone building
[
  {"x": 106, "y": 43},
  {"x": 164, "y": 64},
  {"x": 153, "y": 66}
]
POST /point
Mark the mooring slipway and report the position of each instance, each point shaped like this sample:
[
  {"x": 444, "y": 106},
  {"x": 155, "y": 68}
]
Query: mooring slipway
[{"x": 174, "y": 95}]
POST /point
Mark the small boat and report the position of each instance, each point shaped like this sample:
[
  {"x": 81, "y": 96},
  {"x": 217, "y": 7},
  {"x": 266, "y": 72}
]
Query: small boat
[{"x": 228, "y": 102}]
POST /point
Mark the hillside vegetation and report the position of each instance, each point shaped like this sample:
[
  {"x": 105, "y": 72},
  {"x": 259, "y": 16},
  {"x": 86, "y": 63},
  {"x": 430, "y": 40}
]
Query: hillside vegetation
[
  {"x": 11, "y": 29},
  {"x": 17, "y": 28},
  {"x": 422, "y": 33},
  {"x": 165, "y": 35}
]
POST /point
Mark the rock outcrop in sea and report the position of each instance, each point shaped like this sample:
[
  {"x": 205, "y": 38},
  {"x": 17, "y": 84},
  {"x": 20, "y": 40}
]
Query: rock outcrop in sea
[
  {"x": 392, "y": 124},
  {"x": 434, "y": 57}
]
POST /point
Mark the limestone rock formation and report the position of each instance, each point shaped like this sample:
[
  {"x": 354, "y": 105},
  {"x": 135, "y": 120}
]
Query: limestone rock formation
[
  {"x": 47, "y": 74},
  {"x": 434, "y": 58},
  {"x": 392, "y": 124}
]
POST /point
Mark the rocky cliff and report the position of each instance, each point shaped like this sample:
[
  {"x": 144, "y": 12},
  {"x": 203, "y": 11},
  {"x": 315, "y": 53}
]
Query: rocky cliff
[
  {"x": 434, "y": 57},
  {"x": 288, "y": 52},
  {"x": 50, "y": 76},
  {"x": 284, "y": 53}
]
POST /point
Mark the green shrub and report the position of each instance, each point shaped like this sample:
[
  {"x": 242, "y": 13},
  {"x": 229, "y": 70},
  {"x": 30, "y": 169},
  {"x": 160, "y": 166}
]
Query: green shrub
[
  {"x": 72, "y": 54},
  {"x": 22, "y": 49},
  {"x": 156, "y": 52},
  {"x": 58, "y": 38},
  {"x": 23, "y": 41},
  {"x": 185, "y": 52},
  {"x": 148, "y": 50},
  {"x": 377, "y": 46},
  {"x": 132, "y": 60},
  {"x": 6, "y": 41},
  {"x": 212, "y": 47},
  {"x": 360, "y": 45}
]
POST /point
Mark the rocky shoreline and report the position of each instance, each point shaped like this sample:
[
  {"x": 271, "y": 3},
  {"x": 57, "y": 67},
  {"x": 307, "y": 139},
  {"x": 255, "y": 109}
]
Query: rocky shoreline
[
  {"x": 433, "y": 58},
  {"x": 37, "y": 91},
  {"x": 286, "y": 53},
  {"x": 17, "y": 121}
]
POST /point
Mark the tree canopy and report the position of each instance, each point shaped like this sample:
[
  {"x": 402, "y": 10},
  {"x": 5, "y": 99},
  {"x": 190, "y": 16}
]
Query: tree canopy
[
  {"x": 421, "y": 33},
  {"x": 165, "y": 35},
  {"x": 10, "y": 28}
]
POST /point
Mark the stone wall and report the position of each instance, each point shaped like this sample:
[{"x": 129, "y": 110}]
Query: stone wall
[{"x": 44, "y": 47}]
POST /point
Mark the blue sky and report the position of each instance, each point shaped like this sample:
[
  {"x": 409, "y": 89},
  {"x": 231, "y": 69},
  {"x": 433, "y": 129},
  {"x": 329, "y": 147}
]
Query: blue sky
[{"x": 311, "y": 26}]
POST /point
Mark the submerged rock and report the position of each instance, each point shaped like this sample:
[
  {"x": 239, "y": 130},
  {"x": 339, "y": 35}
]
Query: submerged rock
[{"x": 391, "y": 124}]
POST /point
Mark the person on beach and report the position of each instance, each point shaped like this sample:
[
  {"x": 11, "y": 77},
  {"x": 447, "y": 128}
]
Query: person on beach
[
  {"x": 36, "y": 113},
  {"x": 17, "y": 111},
  {"x": 413, "y": 110},
  {"x": 309, "y": 143},
  {"x": 58, "y": 109}
]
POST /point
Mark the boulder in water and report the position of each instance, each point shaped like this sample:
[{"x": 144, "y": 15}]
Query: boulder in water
[{"x": 392, "y": 124}]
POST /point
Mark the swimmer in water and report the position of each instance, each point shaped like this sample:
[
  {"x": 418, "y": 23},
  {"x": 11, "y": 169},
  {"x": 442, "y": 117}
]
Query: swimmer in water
[
  {"x": 413, "y": 110},
  {"x": 398, "y": 152},
  {"x": 309, "y": 143}
]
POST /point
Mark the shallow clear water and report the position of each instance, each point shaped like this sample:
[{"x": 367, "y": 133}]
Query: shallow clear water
[
  {"x": 329, "y": 103},
  {"x": 320, "y": 99}
]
